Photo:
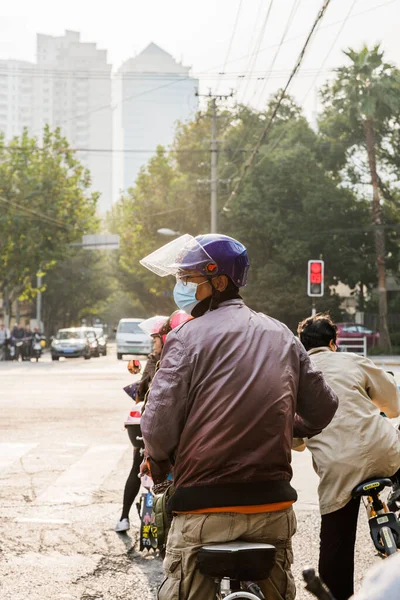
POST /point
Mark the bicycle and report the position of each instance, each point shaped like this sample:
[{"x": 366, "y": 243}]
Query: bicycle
[
  {"x": 384, "y": 525},
  {"x": 236, "y": 566}
]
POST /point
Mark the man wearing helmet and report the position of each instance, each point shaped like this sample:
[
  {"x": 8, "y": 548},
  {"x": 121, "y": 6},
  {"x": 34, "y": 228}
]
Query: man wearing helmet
[{"x": 232, "y": 388}]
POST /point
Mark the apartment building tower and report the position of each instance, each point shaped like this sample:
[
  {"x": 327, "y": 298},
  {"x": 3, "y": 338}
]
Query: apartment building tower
[
  {"x": 151, "y": 93},
  {"x": 68, "y": 87}
]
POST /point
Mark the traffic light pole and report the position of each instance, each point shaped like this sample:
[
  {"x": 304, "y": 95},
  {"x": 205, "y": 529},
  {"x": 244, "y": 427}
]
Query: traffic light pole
[{"x": 313, "y": 309}]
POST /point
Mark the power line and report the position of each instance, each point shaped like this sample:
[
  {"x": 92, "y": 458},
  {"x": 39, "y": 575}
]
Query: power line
[
  {"x": 327, "y": 25},
  {"x": 34, "y": 213},
  {"x": 231, "y": 40},
  {"x": 291, "y": 17},
  {"x": 89, "y": 74},
  {"x": 320, "y": 70},
  {"x": 121, "y": 150},
  {"x": 253, "y": 57},
  {"x": 258, "y": 15},
  {"x": 267, "y": 128},
  {"x": 248, "y": 134}
]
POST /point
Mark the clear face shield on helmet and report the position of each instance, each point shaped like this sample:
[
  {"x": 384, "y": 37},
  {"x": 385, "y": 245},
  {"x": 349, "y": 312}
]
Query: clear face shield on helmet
[
  {"x": 153, "y": 325},
  {"x": 184, "y": 254}
]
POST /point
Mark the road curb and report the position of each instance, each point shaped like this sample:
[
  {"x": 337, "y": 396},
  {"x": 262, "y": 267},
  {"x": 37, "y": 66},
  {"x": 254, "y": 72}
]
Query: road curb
[{"x": 386, "y": 363}]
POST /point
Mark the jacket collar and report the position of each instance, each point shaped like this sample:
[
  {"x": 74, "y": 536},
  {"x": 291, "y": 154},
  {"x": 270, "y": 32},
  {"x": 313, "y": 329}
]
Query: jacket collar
[
  {"x": 318, "y": 350},
  {"x": 233, "y": 301}
]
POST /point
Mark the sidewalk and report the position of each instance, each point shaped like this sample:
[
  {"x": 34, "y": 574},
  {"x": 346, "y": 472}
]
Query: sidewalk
[{"x": 386, "y": 360}]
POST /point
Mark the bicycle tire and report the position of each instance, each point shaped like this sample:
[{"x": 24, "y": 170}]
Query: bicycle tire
[{"x": 388, "y": 541}]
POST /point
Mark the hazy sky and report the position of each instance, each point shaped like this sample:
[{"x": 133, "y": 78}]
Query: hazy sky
[{"x": 200, "y": 33}]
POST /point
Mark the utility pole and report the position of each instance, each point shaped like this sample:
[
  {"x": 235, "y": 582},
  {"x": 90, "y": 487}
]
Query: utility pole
[
  {"x": 214, "y": 163},
  {"x": 214, "y": 156},
  {"x": 39, "y": 301}
]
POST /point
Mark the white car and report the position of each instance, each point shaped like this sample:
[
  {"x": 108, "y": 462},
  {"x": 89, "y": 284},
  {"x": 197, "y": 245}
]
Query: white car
[{"x": 131, "y": 339}]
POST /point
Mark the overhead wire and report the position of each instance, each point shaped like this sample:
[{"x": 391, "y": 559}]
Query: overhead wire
[
  {"x": 230, "y": 42},
  {"x": 295, "y": 8},
  {"x": 34, "y": 213},
  {"x": 249, "y": 162},
  {"x": 252, "y": 37},
  {"x": 121, "y": 150},
  {"x": 90, "y": 75},
  {"x": 320, "y": 70},
  {"x": 250, "y": 132},
  {"x": 254, "y": 55},
  {"x": 339, "y": 32}
]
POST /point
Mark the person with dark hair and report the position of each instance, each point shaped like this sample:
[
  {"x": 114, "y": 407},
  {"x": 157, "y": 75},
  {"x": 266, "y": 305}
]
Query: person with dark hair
[
  {"x": 138, "y": 391},
  {"x": 358, "y": 444},
  {"x": 158, "y": 328},
  {"x": 231, "y": 387}
]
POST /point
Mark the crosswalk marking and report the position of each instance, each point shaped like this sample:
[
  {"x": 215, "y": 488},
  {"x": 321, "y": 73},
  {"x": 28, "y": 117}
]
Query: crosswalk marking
[
  {"x": 83, "y": 478},
  {"x": 11, "y": 452}
]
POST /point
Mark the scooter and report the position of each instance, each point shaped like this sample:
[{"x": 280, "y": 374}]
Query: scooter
[
  {"x": 38, "y": 343},
  {"x": 19, "y": 350}
]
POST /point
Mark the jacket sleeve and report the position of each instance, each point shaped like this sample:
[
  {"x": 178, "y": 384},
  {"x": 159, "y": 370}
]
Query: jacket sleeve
[
  {"x": 382, "y": 388},
  {"x": 316, "y": 401},
  {"x": 147, "y": 376},
  {"x": 163, "y": 420}
]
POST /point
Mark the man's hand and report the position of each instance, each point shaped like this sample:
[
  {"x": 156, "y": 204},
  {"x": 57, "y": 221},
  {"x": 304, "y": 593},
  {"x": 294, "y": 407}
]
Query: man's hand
[{"x": 145, "y": 468}]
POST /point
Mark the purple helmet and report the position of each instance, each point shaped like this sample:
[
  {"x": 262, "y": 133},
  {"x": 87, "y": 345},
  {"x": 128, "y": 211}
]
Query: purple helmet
[
  {"x": 211, "y": 254},
  {"x": 230, "y": 257}
]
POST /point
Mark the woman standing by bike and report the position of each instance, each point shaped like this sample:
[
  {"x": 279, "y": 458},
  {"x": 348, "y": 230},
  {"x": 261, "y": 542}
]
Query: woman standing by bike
[
  {"x": 358, "y": 444},
  {"x": 138, "y": 392},
  {"x": 158, "y": 328}
]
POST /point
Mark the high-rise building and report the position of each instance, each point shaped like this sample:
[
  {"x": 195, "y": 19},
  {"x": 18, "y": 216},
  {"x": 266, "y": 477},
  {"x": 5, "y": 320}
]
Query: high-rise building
[
  {"x": 151, "y": 93},
  {"x": 74, "y": 91},
  {"x": 16, "y": 96},
  {"x": 69, "y": 87}
]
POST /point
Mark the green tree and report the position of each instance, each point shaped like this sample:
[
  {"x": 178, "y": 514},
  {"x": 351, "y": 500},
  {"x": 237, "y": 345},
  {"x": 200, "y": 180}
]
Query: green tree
[
  {"x": 46, "y": 204},
  {"x": 77, "y": 287},
  {"x": 163, "y": 197},
  {"x": 360, "y": 108},
  {"x": 290, "y": 210}
]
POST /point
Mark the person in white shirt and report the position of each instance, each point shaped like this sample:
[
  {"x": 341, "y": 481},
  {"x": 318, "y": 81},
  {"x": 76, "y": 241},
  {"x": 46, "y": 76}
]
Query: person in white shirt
[
  {"x": 4, "y": 339},
  {"x": 357, "y": 444}
]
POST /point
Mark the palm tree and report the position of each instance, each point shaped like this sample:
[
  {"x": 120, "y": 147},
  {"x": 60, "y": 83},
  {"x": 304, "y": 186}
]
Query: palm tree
[{"x": 360, "y": 106}]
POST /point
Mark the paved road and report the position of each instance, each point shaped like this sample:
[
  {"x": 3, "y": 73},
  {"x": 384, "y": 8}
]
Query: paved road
[{"x": 64, "y": 457}]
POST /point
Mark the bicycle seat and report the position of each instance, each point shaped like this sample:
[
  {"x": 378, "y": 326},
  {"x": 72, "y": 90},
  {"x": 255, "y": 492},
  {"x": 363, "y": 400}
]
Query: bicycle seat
[
  {"x": 242, "y": 561},
  {"x": 366, "y": 488}
]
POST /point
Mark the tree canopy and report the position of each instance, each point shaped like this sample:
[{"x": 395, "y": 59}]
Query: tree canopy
[
  {"x": 45, "y": 205},
  {"x": 290, "y": 209}
]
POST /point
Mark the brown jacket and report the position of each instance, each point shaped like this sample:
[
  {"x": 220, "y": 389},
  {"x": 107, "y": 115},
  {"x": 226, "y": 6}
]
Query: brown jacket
[{"x": 222, "y": 407}]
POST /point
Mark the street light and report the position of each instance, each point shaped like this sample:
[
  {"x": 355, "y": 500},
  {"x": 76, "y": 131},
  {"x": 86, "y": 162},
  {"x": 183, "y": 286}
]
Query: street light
[{"x": 167, "y": 231}]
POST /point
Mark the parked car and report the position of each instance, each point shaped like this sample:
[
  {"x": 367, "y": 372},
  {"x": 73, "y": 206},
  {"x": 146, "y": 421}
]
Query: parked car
[
  {"x": 353, "y": 330},
  {"x": 131, "y": 339},
  {"x": 71, "y": 343}
]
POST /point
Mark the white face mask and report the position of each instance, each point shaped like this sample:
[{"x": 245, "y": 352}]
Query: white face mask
[{"x": 185, "y": 295}]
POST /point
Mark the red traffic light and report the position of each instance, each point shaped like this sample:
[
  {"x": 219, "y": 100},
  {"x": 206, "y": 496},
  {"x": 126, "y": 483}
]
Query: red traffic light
[
  {"x": 316, "y": 267},
  {"x": 315, "y": 278}
]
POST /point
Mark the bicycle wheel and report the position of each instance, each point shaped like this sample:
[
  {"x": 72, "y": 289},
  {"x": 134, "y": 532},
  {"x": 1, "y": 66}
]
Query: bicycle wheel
[{"x": 388, "y": 541}]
